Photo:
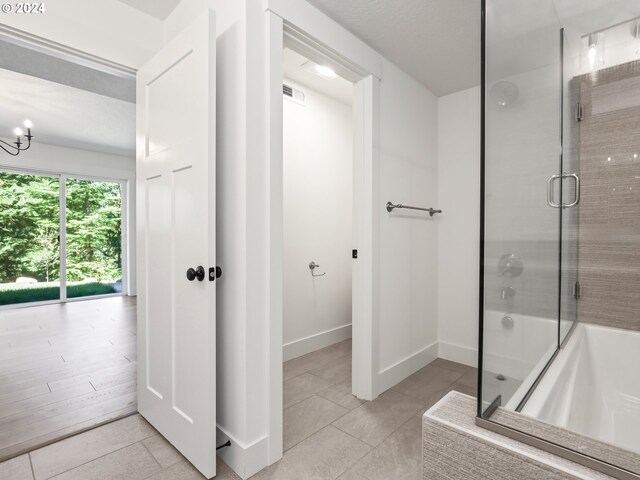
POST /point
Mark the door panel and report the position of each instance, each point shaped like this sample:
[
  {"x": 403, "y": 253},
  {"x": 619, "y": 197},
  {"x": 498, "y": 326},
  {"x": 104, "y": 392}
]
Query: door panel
[
  {"x": 157, "y": 297},
  {"x": 521, "y": 230},
  {"x": 176, "y": 201}
]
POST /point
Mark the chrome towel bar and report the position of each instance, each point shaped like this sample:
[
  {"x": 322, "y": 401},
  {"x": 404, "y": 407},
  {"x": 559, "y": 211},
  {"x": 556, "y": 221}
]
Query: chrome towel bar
[{"x": 391, "y": 206}]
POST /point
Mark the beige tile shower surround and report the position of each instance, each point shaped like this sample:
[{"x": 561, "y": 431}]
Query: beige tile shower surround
[{"x": 609, "y": 210}]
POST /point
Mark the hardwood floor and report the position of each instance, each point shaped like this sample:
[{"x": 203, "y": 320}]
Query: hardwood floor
[{"x": 65, "y": 368}]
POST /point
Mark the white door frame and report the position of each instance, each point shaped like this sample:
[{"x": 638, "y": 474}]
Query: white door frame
[{"x": 320, "y": 39}]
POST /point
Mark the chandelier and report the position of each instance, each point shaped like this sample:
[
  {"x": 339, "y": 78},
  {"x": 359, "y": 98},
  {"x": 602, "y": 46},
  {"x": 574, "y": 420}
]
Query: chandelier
[{"x": 18, "y": 146}]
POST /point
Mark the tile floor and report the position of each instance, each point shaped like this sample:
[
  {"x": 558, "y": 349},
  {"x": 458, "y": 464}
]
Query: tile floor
[{"x": 328, "y": 434}]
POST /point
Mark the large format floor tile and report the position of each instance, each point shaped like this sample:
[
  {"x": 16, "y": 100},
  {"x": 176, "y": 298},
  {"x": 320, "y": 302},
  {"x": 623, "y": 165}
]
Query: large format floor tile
[
  {"x": 17, "y": 468},
  {"x": 328, "y": 433},
  {"x": 132, "y": 462},
  {"x": 340, "y": 393},
  {"x": 307, "y": 417},
  {"x": 323, "y": 456},
  {"x": 336, "y": 370},
  {"x": 302, "y": 387},
  {"x": 164, "y": 453},
  {"x": 373, "y": 421},
  {"x": 428, "y": 381},
  {"x": 316, "y": 360},
  {"x": 85, "y": 447},
  {"x": 399, "y": 457}
]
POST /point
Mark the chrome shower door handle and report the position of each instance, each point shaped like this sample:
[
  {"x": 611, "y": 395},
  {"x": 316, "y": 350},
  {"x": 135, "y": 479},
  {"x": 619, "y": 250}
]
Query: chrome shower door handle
[
  {"x": 550, "y": 193},
  {"x": 576, "y": 199}
]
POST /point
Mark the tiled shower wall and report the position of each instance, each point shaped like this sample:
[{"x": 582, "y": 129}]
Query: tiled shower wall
[{"x": 609, "y": 210}]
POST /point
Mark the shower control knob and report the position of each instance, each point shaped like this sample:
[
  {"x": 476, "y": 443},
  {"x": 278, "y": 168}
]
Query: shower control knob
[
  {"x": 507, "y": 322},
  {"x": 198, "y": 273},
  {"x": 510, "y": 265}
]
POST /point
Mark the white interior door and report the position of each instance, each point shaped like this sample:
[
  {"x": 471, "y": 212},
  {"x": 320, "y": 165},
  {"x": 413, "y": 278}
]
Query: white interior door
[{"x": 176, "y": 231}]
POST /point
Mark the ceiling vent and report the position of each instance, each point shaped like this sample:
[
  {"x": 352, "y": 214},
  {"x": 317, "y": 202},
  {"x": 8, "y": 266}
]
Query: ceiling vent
[{"x": 293, "y": 94}]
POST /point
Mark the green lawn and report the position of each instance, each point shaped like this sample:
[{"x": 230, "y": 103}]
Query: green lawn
[{"x": 40, "y": 294}]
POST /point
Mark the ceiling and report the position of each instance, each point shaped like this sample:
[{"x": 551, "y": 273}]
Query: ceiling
[
  {"x": 66, "y": 116},
  {"x": 435, "y": 41},
  {"x": 338, "y": 88},
  {"x": 159, "y": 9}
]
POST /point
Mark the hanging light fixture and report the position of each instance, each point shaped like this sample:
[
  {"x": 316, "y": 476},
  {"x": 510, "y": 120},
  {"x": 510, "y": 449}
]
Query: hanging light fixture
[{"x": 18, "y": 146}]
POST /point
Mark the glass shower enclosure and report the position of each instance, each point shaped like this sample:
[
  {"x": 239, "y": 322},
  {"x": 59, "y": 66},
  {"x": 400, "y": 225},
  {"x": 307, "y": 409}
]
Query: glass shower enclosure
[{"x": 560, "y": 246}]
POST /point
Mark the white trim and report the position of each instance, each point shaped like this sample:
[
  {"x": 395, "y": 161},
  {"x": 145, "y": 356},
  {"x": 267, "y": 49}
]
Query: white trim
[
  {"x": 244, "y": 459},
  {"x": 57, "y": 173},
  {"x": 13, "y": 306},
  {"x": 124, "y": 236},
  {"x": 62, "y": 232},
  {"x": 458, "y": 353},
  {"x": 396, "y": 373},
  {"x": 43, "y": 303},
  {"x": 365, "y": 238},
  {"x": 274, "y": 149},
  {"x": 309, "y": 344},
  {"x": 63, "y": 52},
  {"x": 319, "y": 31},
  {"x": 308, "y": 25}
]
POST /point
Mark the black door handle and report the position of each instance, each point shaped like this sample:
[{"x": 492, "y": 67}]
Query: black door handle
[
  {"x": 197, "y": 273},
  {"x": 214, "y": 272}
]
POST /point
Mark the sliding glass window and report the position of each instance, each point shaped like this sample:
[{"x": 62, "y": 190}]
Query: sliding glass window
[
  {"x": 29, "y": 238},
  {"x": 93, "y": 237},
  {"x": 49, "y": 253}
]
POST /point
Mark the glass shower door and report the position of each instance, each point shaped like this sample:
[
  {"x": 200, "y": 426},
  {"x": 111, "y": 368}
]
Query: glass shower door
[
  {"x": 523, "y": 173},
  {"x": 570, "y": 194}
]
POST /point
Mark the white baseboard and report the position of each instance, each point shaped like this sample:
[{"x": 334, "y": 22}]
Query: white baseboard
[
  {"x": 297, "y": 348},
  {"x": 458, "y": 353},
  {"x": 394, "y": 374},
  {"x": 244, "y": 459}
]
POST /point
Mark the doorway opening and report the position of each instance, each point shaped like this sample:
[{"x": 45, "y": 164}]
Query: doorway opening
[
  {"x": 364, "y": 73},
  {"x": 68, "y": 234},
  {"x": 318, "y": 150}
]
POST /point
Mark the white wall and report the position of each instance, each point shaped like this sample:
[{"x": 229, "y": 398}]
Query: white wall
[
  {"x": 408, "y": 257},
  {"x": 45, "y": 158},
  {"x": 459, "y": 227},
  {"x": 318, "y": 225}
]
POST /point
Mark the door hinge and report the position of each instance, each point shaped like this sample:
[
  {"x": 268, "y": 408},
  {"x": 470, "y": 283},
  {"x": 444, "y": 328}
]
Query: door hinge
[
  {"x": 576, "y": 290},
  {"x": 354, "y": 253},
  {"x": 579, "y": 112}
]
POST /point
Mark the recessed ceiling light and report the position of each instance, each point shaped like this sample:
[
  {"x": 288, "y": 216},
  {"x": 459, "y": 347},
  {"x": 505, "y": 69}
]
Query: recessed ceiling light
[{"x": 321, "y": 70}]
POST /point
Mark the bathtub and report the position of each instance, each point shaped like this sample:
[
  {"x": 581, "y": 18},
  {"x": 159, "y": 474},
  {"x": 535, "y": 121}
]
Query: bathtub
[
  {"x": 519, "y": 349},
  {"x": 593, "y": 386}
]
